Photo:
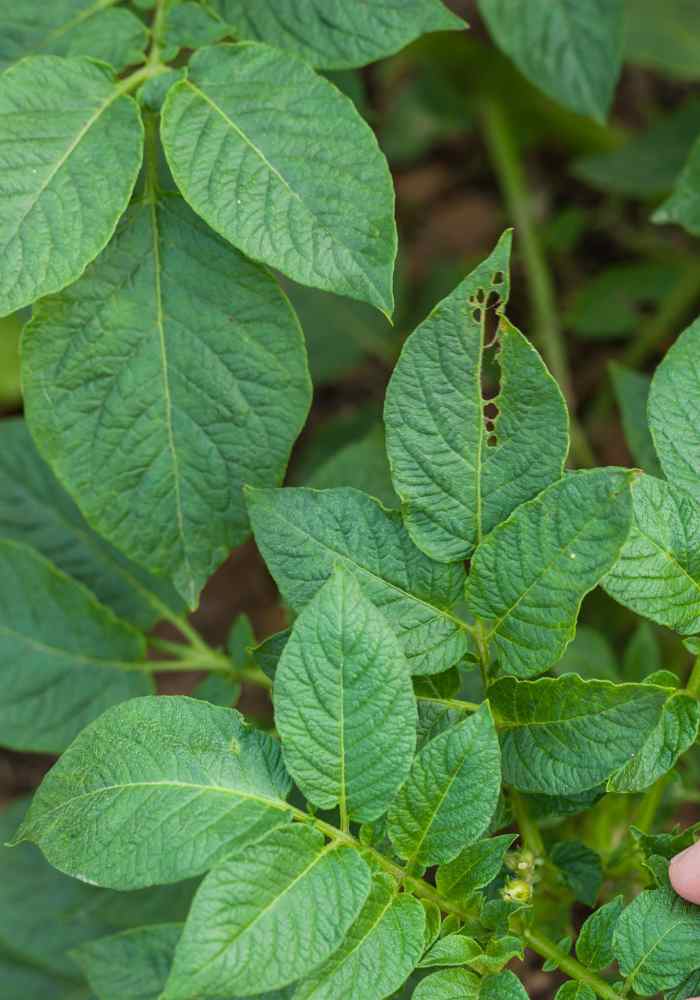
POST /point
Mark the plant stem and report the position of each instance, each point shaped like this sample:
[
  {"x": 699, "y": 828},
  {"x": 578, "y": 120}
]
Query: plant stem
[
  {"x": 202, "y": 657},
  {"x": 509, "y": 169},
  {"x": 529, "y": 831},
  {"x": 693, "y": 685},
  {"x": 649, "y": 805},
  {"x": 548, "y": 950},
  {"x": 460, "y": 706}
]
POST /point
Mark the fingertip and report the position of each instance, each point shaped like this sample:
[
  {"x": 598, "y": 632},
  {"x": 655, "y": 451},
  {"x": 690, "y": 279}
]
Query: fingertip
[{"x": 684, "y": 874}]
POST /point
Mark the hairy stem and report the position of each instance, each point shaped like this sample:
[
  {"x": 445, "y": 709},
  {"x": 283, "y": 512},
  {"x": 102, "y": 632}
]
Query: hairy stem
[
  {"x": 509, "y": 169},
  {"x": 548, "y": 950}
]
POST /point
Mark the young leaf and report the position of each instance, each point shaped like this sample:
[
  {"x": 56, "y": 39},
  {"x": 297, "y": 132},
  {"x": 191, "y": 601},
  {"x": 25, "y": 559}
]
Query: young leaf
[
  {"x": 529, "y": 576},
  {"x": 656, "y": 941},
  {"x": 565, "y": 735},
  {"x": 341, "y": 33},
  {"x": 344, "y": 704},
  {"x": 632, "y": 392},
  {"x": 304, "y": 533},
  {"x": 581, "y": 868},
  {"x": 674, "y": 399},
  {"x": 453, "y": 949},
  {"x": 450, "y": 984},
  {"x": 476, "y": 867},
  {"x": 269, "y": 916},
  {"x": 456, "y": 483},
  {"x": 380, "y": 950},
  {"x": 245, "y": 169},
  {"x": 594, "y": 945},
  {"x": 575, "y": 991},
  {"x": 157, "y": 790},
  {"x": 571, "y": 51},
  {"x": 658, "y": 572},
  {"x": 71, "y": 28},
  {"x": 60, "y": 121},
  {"x": 450, "y": 795},
  {"x": 35, "y": 510},
  {"x": 153, "y": 424},
  {"x": 504, "y": 986},
  {"x": 64, "y": 658}
]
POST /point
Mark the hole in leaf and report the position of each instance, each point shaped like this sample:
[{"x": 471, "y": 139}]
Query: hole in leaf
[
  {"x": 476, "y": 315},
  {"x": 497, "y": 278}
]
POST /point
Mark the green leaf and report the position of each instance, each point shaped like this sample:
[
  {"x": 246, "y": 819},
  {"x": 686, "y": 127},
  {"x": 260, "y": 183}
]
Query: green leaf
[
  {"x": 581, "y": 868},
  {"x": 590, "y": 655},
  {"x": 594, "y": 945},
  {"x": 658, "y": 572},
  {"x": 303, "y": 534},
  {"x": 363, "y": 466},
  {"x": 453, "y": 949},
  {"x": 133, "y": 965},
  {"x": 380, "y": 950},
  {"x": 64, "y": 657},
  {"x": 189, "y": 25},
  {"x": 642, "y": 655},
  {"x": 571, "y": 51},
  {"x": 34, "y": 509},
  {"x": 499, "y": 950},
  {"x": 265, "y": 918},
  {"x": 218, "y": 689},
  {"x": 632, "y": 392},
  {"x": 656, "y": 941},
  {"x": 450, "y": 795},
  {"x": 504, "y": 986},
  {"x": 344, "y": 704},
  {"x": 476, "y": 867},
  {"x": 244, "y": 169},
  {"x": 266, "y": 654},
  {"x": 675, "y": 732},
  {"x": 60, "y": 122},
  {"x": 451, "y": 984},
  {"x": 575, "y": 991},
  {"x": 683, "y": 206},
  {"x": 529, "y": 576},
  {"x": 552, "y": 730},
  {"x": 610, "y": 304},
  {"x": 337, "y": 34},
  {"x": 456, "y": 478},
  {"x": 673, "y": 402},
  {"x": 157, "y": 790},
  {"x": 666, "y": 39},
  {"x": 155, "y": 421},
  {"x": 71, "y": 28},
  {"x": 688, "y": 990}
]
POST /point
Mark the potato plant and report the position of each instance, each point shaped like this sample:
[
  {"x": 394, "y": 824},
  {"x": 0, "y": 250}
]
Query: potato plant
[{"x": 454, "y": 773}]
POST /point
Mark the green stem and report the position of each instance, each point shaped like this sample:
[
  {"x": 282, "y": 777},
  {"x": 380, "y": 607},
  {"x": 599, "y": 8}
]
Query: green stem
[
  {"x": 202, "y": 657},
  {"x": 649, "y": 806},
  {"x": 529, "y": 831},
  {"x": 509, "y": 169},
  {"x": 460, "y": 706},
  {"x": 693, "y": 685},
  {"x": 548, "y": 950}
]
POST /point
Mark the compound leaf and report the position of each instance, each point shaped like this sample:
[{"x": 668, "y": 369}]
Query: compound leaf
[
  {"x": 151, "y": 384},
  {"x": 157, "y": 790},
  {"x": 594, "y": 944},
  {"x": 570, "y": 50},
  {"x": 71, "y": 28},
  {"x": 338, "y": 34},
  {"x": 344, "y": 704},
  {"x": 34, "y": 509},
  {"x": 674, "y": 399},
  {"x": 656, "y": 941},
  {"x": 456, "y": 479},
  {"x": 61, "y": 121},
  {"x": 380, "y": 950},
  {"x": 303, "y": 534},
  {"x": 658, "y": 572},
  {"x": 64, "y": 657},
  {"x": 450, "y": 794},
  {"x": 245, "y": 169},
  {"x": 529, "y": 576},
  {"x": 552, "y": 729},
  {"x": 267, "y": 917}
]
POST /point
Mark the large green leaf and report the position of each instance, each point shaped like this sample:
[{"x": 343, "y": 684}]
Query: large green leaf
[
  {"x": 344, "y": 704},
  {"x": 157, "y": 790},
  {"x": 658, "y": 572},
  {"x": 565, "y": 735},
  {"x": 594, "y": 944},
  {"x": 304, "y": 533},
  {"x": 64, "y": 657},
  {"x": 171, "y": 374},
  {"x": 61, "y": 121},
  {"x": 132, "y": 965},
  {"x": 35, "y": 510},
  {"x": 632, "y": 392},
  {"x": 238, "y": 134},
  {"x": 379, "y": 952},
  {"x": 71, "y": 28},
  {"x": 529, "y": 576},
  {"x": 337, "y": 34},
  {"x": 570, "y": 49},
  {"x": 673, "y": 406},
  {"x": 580, "y": 868},
  {"x": 269, "y": 916},
  {"x": 656, "y": 941},
  {"x": 451, "y": 793},
  {"x": 456, "y": 478}
]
